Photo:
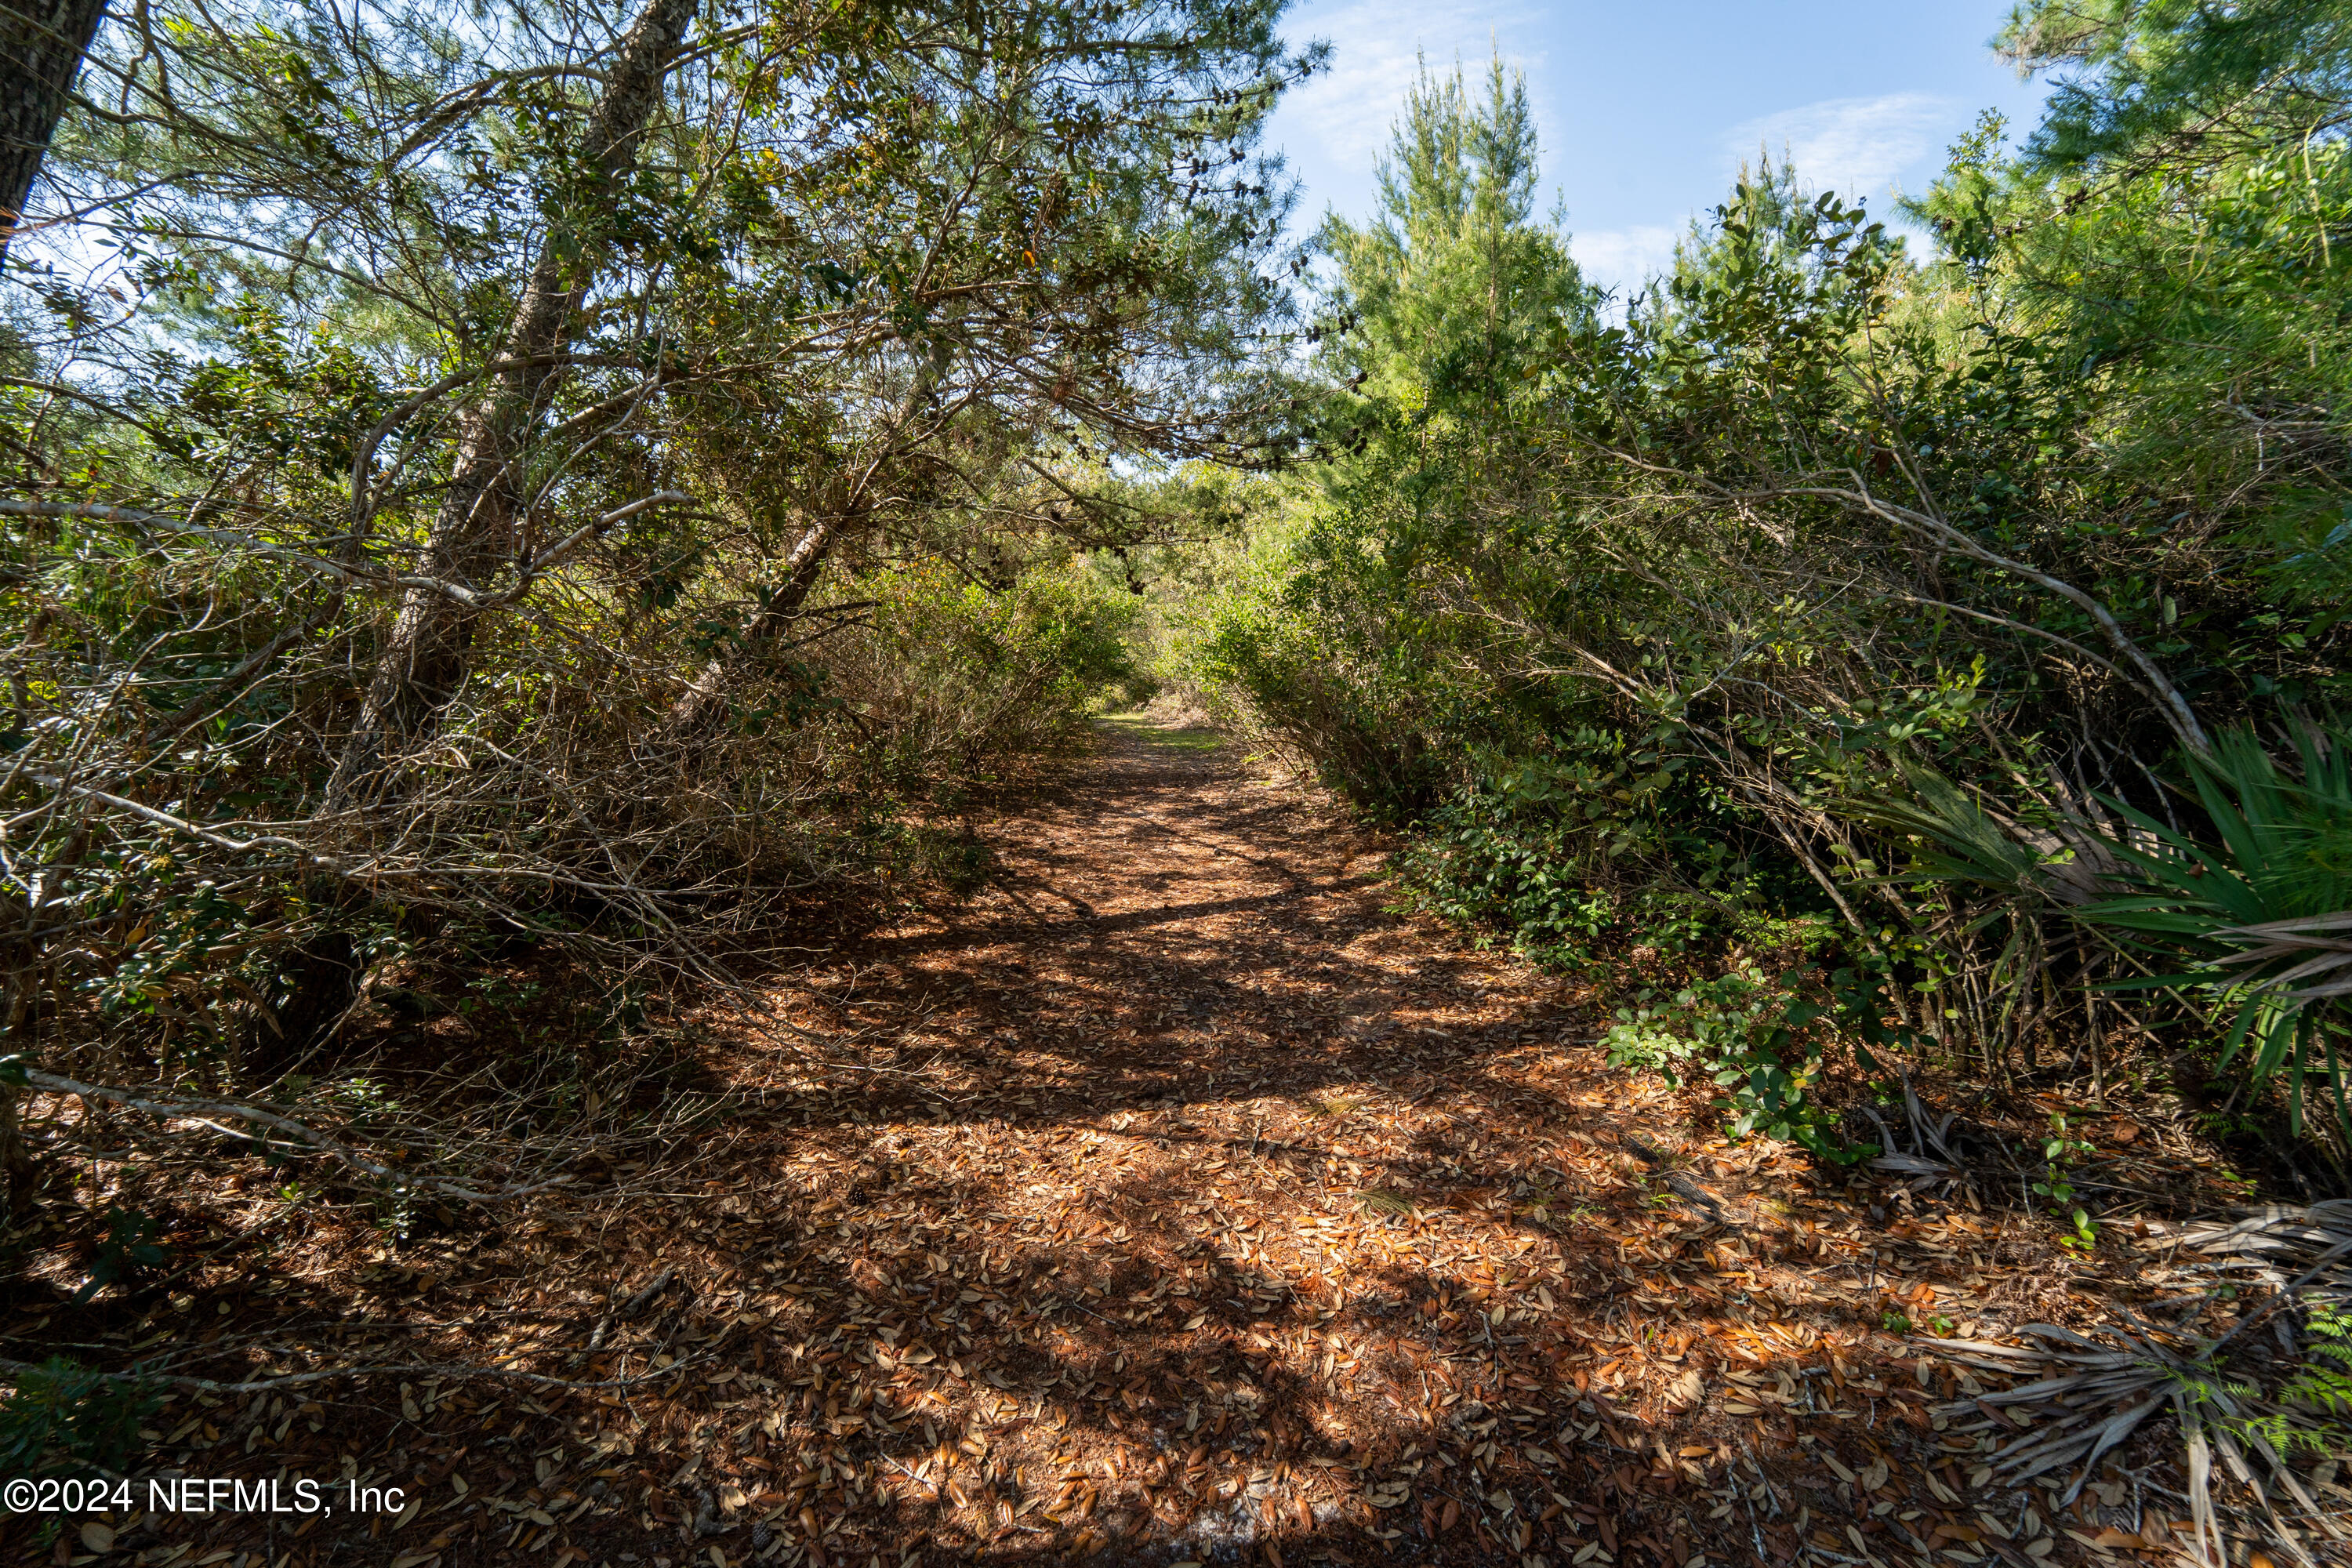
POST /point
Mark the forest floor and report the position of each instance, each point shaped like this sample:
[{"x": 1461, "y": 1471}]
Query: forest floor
[{"x": 1174, "y": 1199}]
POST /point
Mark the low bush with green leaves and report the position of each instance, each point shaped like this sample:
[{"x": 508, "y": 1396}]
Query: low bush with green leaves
[
  {"x": 954, "y": 677},
  {"x": 64, "y": 1419},
  {"x": 2061, "y": 1151},
  {"x": 1757, "y": 1039},
  {"x": 1651, "y": 617}
]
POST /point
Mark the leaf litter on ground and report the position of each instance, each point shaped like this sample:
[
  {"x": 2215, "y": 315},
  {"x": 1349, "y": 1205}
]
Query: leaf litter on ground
[{"x": 1178, "y": 1198}]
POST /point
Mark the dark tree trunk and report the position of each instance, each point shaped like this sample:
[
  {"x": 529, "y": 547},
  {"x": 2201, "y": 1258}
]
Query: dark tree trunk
[
  {"x": 706, "y": 700},
  {"x": 424, "y": 660},
  {"x": 41, "y": 45},
  {"x": 322, "y": 982},
  {"x": 16, "y": 1040}
]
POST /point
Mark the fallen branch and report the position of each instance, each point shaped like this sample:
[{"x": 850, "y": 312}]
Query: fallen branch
[
  {"x": 416, "y": 1369},
  {"x": 627, "y": 1311},
  {"x": 207, "y": 1111}
]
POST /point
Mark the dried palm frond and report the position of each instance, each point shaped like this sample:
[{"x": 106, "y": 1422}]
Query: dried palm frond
[
  {"x": 2281, "y": 1240},
  {"x": 2094, "y": 1395},
  {"x": 2322, "y": 944},
  {"x": 2106, "y": 1391},
  {"x": 1931, "y": 1158}
]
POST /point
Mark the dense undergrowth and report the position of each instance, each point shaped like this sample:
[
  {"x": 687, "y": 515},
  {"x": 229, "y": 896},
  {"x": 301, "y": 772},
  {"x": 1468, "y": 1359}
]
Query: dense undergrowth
[
  {"x": 458, "y": 493},
  {"x": 1965, "y": 616},
  {"x": 1864, "y": 657},
  {"x": 580, "y": 498}
]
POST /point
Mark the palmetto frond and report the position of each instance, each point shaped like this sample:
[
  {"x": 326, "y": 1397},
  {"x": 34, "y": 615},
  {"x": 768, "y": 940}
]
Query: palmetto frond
[
  {"x": 2309, "y": 957},
  {"x": 2094, "y": 1392},
  {"x": 2256, "y": 915},
  {"x": 2283, "y": 1246}
]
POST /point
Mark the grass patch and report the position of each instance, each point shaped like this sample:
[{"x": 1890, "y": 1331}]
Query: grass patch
[{"x": 1154, "y": 734}]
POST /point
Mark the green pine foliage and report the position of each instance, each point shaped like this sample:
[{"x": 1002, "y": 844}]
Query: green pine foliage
[
  {"x": 612, "y": 475},
  {"x": 1839, "y": 597}
]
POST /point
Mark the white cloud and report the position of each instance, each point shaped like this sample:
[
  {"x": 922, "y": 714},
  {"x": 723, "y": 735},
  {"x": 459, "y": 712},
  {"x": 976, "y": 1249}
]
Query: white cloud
[
  {"x": 1377, "y": 48},
  {"x": 1624, "y": 258},
  {"x": 1856, "y": 146}
]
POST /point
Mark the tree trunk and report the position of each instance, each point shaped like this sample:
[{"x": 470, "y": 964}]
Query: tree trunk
[
  {"x": 16, "y": 1040},
  {"x": 41, "y": 45},
  {"x": 844, "y": 503},
  {"x": 423, "y": 661},
  {"x": 706, "y": 700}
]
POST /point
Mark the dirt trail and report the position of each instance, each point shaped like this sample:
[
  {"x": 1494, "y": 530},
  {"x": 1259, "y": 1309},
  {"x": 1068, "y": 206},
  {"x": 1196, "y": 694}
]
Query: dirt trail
[
  {"x": 1172, "y": 923},
  {"x": 1175, "y": 1200},
  {"x": 1172, "y": 1200}
]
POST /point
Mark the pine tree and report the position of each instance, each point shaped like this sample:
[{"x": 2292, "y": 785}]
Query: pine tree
[{"x": 1457, "y": 282}]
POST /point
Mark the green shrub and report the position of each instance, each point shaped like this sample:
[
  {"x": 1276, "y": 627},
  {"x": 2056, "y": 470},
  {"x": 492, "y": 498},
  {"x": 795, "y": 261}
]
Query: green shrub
[
  {"x": 1762, "y": 1042},
  {"x": 64, "y": 1419},
  {"x": 952, "y": 677}
]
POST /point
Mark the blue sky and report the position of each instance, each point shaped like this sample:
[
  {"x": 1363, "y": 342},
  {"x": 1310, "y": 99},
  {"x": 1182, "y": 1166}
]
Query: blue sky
[{"x": 1647, "y": 107}]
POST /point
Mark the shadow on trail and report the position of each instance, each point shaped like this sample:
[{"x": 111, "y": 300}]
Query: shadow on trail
[
  {"x": 1242, "y": 1215},
  {"x": 1239, "y": 1217}
]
